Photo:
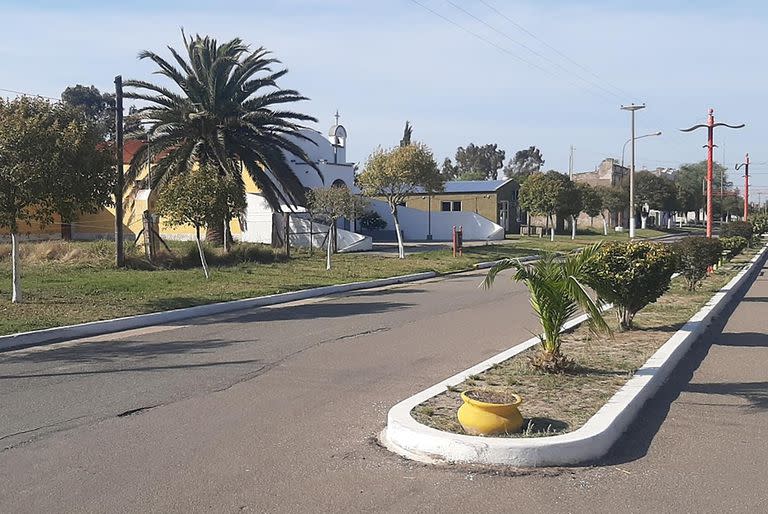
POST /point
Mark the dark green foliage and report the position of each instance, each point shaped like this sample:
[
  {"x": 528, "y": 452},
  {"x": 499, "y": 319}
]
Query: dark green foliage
[
  {"x": 737, "y": 228},
  {"x": 370, "y": 220},
  {"x": 733, "y": 245},
  {"x": 474, "y": 163},
  {"x": 185, "y": 255},
  {"x": 759, "y": 224},
  {"x": 631, "y": 275},
  {"x": 694, "y": 257}
]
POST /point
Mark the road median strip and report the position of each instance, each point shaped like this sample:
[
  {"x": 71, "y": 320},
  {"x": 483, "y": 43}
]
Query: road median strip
[{"x": 406, "y": 436}]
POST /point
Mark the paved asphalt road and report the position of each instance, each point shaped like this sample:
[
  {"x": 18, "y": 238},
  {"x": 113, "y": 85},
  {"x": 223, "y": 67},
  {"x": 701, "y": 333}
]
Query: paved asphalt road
[{"x": 257, "y": 412}]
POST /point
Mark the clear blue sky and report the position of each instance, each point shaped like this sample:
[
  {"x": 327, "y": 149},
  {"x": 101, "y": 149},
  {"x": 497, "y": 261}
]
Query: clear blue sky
[{"x": 382, "y": 62}]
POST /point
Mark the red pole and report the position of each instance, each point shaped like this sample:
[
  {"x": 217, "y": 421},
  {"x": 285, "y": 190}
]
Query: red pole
[
  {"x": 746, "y": 187},
  {"x": 710, "y": 147}
]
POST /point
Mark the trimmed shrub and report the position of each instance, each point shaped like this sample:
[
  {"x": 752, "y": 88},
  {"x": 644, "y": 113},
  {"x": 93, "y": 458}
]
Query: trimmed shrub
[
  {"x": 632, "y": 275},
  {"x": 759, "y": 224},
  {"x": 737, "y": 228},
  {"x": 694, "y": 257},
  {"x": 733, "y": 246}
]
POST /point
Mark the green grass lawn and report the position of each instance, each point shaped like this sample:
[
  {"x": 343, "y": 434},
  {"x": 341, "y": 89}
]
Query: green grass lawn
[
  {"x": 57, "y": 293},
  {"x": 67, "y": 283},
  {"x": 564, "y": 242}
]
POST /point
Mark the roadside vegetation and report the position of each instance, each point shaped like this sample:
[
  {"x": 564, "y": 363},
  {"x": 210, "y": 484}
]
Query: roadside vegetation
[{"x": 560, "y": 402}]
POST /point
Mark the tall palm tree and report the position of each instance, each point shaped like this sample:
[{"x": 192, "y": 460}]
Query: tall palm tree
[
  {"x": 558, "y": 288},
  {"x": 229, "y": 113}
]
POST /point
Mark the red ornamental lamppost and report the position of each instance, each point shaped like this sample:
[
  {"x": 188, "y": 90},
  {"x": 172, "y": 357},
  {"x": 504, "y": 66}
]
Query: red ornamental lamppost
[
  {"x": 746, "y": 184},
  {"x": 710, "y": 146}
]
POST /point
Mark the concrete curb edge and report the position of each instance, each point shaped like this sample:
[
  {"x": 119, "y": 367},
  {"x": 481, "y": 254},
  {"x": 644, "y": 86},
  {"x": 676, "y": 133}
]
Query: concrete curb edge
[
  {"x": 405, "y": 436},
  {"x": 93, "y": 328}
]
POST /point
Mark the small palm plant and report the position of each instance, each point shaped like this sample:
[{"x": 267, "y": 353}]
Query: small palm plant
[{"x": 559, "y": 288}]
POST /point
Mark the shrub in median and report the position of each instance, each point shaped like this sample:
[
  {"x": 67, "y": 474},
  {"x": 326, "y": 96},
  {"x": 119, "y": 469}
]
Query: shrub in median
[
  {"x": 733, "y": 245},
  {"x": 737, "y": 228},
  {"x": 694, "y": 257},
  {"x": 631, "y": 275},
  {"x": 759, "y": 224}
]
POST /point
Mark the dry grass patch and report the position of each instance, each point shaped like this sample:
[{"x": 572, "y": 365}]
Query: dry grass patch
[{"x": 559, "y": 403}]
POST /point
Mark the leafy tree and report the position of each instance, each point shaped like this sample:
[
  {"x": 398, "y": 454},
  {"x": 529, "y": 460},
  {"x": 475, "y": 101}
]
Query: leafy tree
[
  {"x": 475, "y": 163},
  {"x": 397, "y": 173},
  {"x": 632, "y": 275},
  {"x": 558, "y": 288},
  {"x": 197, "y": 196},
  {"x": 84, "y": 177},
  {"x": 695, "y": 255},
  {"x": 658, "y": 192},
  {"x": 332, "y": 203},
  {"x": 614, "y": 201},
  {"x": 691, "y": 188},
  {"x": 98, "y": 107},
  {"x": 407, "y": 133},
  {"x": 570, "y": 204},
  {"x": 542, "y": 194},
  {"x": 525, "y": 162},
  {"x": 229, "y": 114},
  {"x": 591, "y": 200},
  {"x": 27, "y": 135}
]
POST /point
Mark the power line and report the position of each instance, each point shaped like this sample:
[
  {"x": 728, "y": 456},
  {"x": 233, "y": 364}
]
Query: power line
[
  {"x": 29, "y": 94},
  {"x": 558, "y": 52},
  {"x": 498, "y": 47}
]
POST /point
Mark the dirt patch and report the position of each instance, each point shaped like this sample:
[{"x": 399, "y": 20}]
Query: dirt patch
[{"x": 559, "y": 403}]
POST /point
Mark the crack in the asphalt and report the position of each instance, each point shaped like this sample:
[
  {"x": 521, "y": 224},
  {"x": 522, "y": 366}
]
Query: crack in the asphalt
[{"x": 33, "y": 430}]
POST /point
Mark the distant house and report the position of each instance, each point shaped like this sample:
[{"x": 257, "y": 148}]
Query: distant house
[{"x": 495, "y": 200}]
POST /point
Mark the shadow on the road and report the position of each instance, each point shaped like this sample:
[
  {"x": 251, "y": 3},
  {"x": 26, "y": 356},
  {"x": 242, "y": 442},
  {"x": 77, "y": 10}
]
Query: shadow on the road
[
  {"x": 756, "y": 393},
  {"x": 310, "y": 311},
  {"x": 634, "y": 443},
  {"x": 760, "y": 299},
  {"x": 385, "y": 292},
  {"x": 132, "y": 369},
  {"x": 118, "y": 350},
  {"x": 743, "y": 339}
]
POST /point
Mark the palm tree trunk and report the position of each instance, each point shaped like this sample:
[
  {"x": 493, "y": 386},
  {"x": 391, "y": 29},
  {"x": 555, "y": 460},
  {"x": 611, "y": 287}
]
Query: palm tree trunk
[
  {"x": 203, "y": 262},
  {"x": 214, "y": 233},
  {"x": 16, "y": 271}
]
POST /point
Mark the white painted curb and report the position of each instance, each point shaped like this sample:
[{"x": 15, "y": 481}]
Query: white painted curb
[
  {"x": 56, "y": 334},
  {"x": 405, "y": 436}
]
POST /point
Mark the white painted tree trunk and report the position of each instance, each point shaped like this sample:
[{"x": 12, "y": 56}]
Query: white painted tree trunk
[
  {"x": 16, "y": 272},
  {"x": 573, "y": 227},
  {"x": 642, "y": 221},
  {"x": 605, "y": 226},
  {"x": 328, "y": 247},
  {"x": 400, "y": 247},
  {"x": 203, "y": 262},
  {"x": 669, "y": 222}
]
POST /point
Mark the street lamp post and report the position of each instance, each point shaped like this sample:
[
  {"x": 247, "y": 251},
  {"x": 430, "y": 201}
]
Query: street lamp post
[
  {"x": 632, "y": 108},
  {"x": 623, "y": 148},
  {"x": 710, "y": 126},
  {"x": 746, "y": 184}
]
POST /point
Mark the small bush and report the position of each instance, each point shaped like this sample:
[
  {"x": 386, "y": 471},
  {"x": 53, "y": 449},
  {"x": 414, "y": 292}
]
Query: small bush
[
  {"x": 737, "y": 228},
  {"x": 631, "y": 275},
  {"x": 759, "y": 224},
  {"x": 694, "y": 257},
  {"x": 733, "y": 246}
]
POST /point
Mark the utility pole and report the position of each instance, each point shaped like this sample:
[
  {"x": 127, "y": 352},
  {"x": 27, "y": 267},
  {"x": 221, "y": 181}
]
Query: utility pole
[
  {"x": 710, "y": 126},
  {"x": 746, "y": 185},
  {"x": 632, "y": 108},
  {"x": 570, "y": 164},
  {"x": 120, "y": 182}
]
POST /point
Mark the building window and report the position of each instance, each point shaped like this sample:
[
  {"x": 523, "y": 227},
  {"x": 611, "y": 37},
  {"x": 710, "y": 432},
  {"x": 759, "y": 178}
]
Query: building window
[{"x": 450, "y": 206}]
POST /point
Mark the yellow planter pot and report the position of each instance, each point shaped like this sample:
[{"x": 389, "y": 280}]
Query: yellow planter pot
[{"x": 483, "y": 418}]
